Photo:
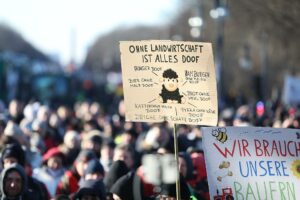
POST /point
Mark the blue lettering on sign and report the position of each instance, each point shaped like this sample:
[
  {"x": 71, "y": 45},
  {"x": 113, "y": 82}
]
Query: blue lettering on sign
[{"x": 263, "y": 168}]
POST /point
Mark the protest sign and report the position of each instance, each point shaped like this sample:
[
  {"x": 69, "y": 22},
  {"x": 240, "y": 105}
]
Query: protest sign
[
  {"x": 252, "y": 162},
  {"x": 169, "y": 81},
  {"x": 291, "y": 90}
]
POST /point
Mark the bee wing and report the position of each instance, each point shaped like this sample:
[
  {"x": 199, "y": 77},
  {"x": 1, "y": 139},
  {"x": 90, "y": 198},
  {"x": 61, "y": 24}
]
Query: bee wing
[
  {"x": 222, "y": 130},
  {"x": 214, "y": 133}
]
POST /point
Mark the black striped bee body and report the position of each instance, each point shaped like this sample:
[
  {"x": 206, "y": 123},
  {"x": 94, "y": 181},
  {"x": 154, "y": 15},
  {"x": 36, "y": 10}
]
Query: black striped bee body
[
  {"x": 298, "y": 135},
  {"x": 220, "y": 134}
]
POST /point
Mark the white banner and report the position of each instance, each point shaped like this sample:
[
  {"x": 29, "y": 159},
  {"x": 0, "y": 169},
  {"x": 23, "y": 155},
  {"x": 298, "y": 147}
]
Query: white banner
[{"x": 252, "y": 163}]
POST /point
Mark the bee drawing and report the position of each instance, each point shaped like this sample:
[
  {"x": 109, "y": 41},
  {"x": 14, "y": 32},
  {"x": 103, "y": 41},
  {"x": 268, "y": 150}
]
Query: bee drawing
[{"x": 220, "y": 134}]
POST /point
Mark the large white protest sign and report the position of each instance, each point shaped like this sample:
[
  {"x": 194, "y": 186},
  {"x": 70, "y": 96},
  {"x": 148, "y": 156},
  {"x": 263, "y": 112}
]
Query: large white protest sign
[
  {"x": 169, "y": 81},
  {"x": 252, "y": 163},
  {"x": 291, "y": 90}
]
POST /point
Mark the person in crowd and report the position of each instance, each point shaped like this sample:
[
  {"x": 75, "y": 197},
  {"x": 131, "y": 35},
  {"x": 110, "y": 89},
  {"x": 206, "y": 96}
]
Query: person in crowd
[
  {"x": 243, "y": 116},
  {"x": 43, "y": 115},
  {"x": 92, "y": 140},
  {"x": 52, "y": 170},
  {"x": 127, "y": 187},
  {"x": 185, "y": 165},
  {"x": 42, "y": 128},
  {"x": 186, "y": 168},
  {"x": 156, "y": 137},
  {"x": 29, "y": 112},
  {"x": 107, "y": 154},
  {"x": 125, "y": 153},
  {"x": 70, "y": 147},
  {"x": 93, "y": 171},
  {"x": 14, "y": 183},
  {"x": 5, "y": 139},
  {"x": 199, "y": 181},
  {"x": 15, "y": 111},
  {"x": 226, "y": 117},
  {"x": 128, "y": 136},
  {"x": 13, "y": 153},
  {"x": 36, "y": 150},
  {"x": 69, "y": 182},
  {"x": 13, "y": 130},
  {"x": 93, "y": 178},
  {"x": 117, "y": 169},
  {"x": 64, "y": 114},
  {"x": 3, "y": 121},
  {"x": 56, "y": 124}
]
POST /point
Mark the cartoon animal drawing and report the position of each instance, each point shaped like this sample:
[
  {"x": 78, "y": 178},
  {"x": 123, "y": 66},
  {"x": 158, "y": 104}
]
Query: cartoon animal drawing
[
  {"x": 220, "y": 134},
  {"x": 170, "y": 88}
]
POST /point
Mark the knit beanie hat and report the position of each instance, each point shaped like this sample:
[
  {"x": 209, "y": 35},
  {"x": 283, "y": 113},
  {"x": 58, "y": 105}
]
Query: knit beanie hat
[
  {"x": 86, "y": 155},
  {"x": 94, "y": 166},
  {"x": 14, "y": 151}
]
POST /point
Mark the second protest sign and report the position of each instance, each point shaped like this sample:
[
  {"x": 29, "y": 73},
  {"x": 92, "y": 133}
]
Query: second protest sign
[{"x": 170, "y": 81}]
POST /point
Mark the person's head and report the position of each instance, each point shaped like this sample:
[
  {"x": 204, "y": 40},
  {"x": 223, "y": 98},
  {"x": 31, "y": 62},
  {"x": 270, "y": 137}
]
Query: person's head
[
  {"x": 82, "y": 160},
  {"x": 125, "y": 153},
  {"x": 107, "y": 150},
  {"x": 14, "y": 181},
  {"x": 63, "y": 113},
  {"x": 72, "y": 139},
  {"x": 182, "y": 166},
  {"x": 93, "y": 140},
  {"x": 12, "y": 153},
  {"x": 128, "y": 136},
  {"x": 39, "y": 127},
  {"x": 12, "y": 129},
  {"x": 43, "y": 113},
  {"x": 94, "y": 170},
  {"x": 53, "y": 159},
  {"x": 185, "y": 165},
  {"x": 15, "y": 108},
  {"x": 117, "y": 170}
]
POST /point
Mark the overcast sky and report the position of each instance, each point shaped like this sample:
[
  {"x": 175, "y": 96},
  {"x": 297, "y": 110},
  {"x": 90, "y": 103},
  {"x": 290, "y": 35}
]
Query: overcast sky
[{"x": 49, "y": 24}]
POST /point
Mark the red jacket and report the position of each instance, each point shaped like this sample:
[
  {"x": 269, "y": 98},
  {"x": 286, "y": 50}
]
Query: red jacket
[{"x": 68, "y": 183}]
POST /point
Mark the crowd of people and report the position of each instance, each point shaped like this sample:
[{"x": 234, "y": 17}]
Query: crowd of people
[{"x": 84, "y": 152}]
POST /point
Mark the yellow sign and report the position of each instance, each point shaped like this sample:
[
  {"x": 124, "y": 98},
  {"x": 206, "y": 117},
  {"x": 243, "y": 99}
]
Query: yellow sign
[{"x": 170, "y": 81}]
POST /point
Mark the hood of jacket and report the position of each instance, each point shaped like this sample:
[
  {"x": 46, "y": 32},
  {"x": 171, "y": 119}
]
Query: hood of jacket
[{"x": 4, "y": 173}]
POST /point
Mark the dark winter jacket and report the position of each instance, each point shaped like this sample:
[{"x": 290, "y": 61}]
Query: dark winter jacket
[{"x": 91, "y": 187}]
